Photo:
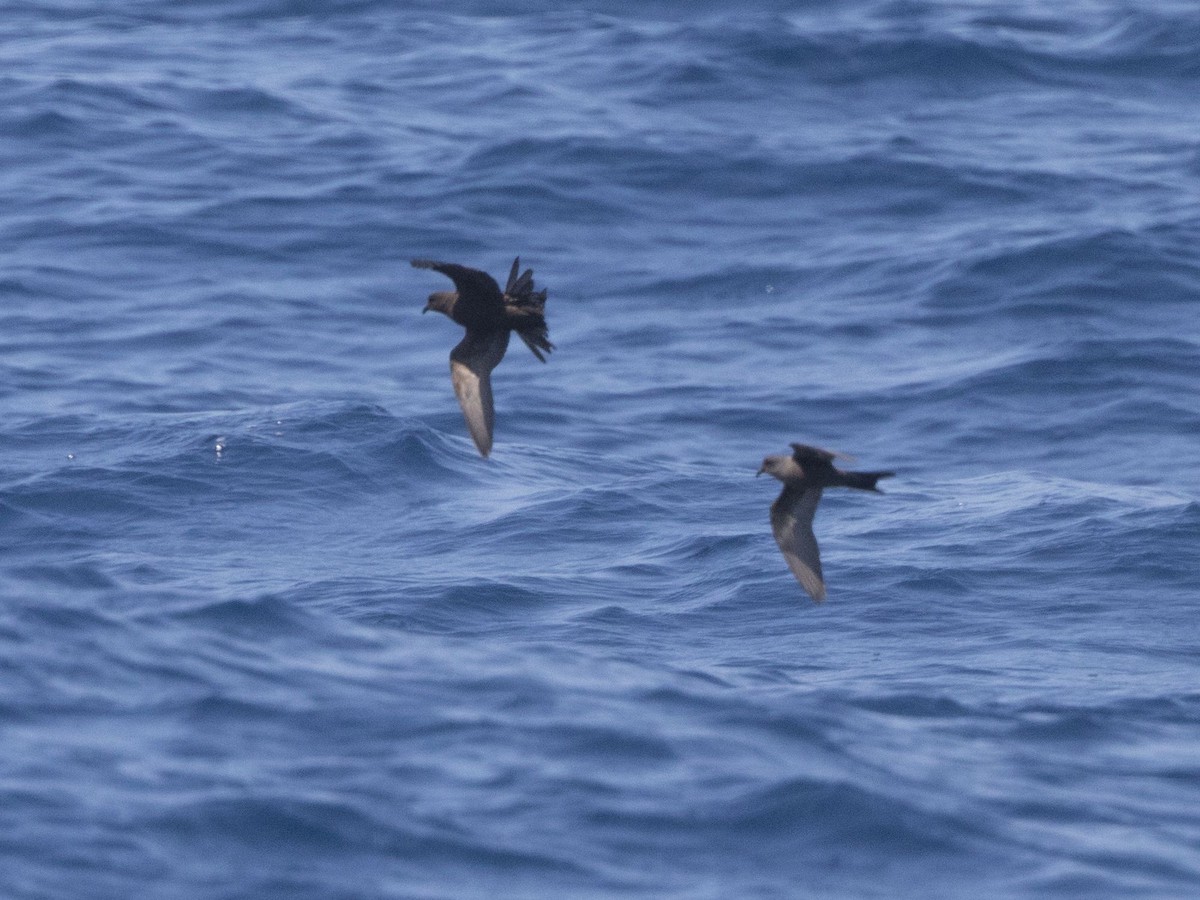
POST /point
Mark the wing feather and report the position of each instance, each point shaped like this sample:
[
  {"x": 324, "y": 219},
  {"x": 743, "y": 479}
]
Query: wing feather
[
  {"x": 471, "y": 364},
  {"x": 791, "y": 521},
  {"x": 803, "y": 452},
  {"x": 472, "y": 283},
  {"x": 512, "y": 275}
]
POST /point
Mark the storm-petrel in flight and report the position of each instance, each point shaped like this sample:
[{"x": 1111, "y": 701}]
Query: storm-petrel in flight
[
  {"x": 489, "y": 316},
  {"x": 807, "y": 472}
]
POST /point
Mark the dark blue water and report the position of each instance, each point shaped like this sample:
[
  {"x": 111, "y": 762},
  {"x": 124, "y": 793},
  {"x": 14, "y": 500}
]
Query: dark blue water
[{"x": 269, "y": 626}]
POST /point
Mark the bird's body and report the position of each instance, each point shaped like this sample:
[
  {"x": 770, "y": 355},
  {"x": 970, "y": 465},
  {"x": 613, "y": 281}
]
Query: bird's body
[
  {"x": 489, "y": 316},
  {"x": 805, "y": 474}
]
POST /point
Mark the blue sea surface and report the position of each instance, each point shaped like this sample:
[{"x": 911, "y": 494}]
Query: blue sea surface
[{"x": 271, "y": 628}]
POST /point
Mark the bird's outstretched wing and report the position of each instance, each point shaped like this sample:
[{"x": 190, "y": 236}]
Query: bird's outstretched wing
[
  {"x": 471, "y": 364},
  {"x": 791, "y": 521},
  {"x": 472, "y": 284}
]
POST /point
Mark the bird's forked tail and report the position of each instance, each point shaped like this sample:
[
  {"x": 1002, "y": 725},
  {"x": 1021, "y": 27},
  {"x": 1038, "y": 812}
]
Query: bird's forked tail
[{"x": 864, "y": 481}]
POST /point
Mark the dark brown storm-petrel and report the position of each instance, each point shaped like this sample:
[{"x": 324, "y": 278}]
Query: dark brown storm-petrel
[
  {"x": 807, "y": 472},
  {"x": 489, "y": 316}
]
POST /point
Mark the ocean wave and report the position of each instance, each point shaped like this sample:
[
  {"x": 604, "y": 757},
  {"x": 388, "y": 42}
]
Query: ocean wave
[
  {"x": 961, "y": 48},
  {"x": 272, "y": 627},
  {"x": 1077, "y": 273}
]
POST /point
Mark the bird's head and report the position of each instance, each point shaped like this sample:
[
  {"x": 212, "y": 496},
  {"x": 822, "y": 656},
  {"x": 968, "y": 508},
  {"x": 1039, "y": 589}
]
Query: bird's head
[
  {"x": 774, "y": 465},
  {"x": 441, "y": 301}
]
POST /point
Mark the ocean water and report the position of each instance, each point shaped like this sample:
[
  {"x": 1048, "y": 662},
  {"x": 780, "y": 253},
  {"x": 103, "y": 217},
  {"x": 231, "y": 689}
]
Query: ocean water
[{"x": 271, "y": 628}]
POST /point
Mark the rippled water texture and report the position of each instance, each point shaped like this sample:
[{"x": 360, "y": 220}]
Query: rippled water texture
[{"x": 269, "y": 626}]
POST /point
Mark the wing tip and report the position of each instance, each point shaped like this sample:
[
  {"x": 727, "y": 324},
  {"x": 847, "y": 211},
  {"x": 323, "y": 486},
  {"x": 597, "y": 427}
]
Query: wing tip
[
  {"x": 813, "y": 585},
  {"x": 483, "y": 440}
]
